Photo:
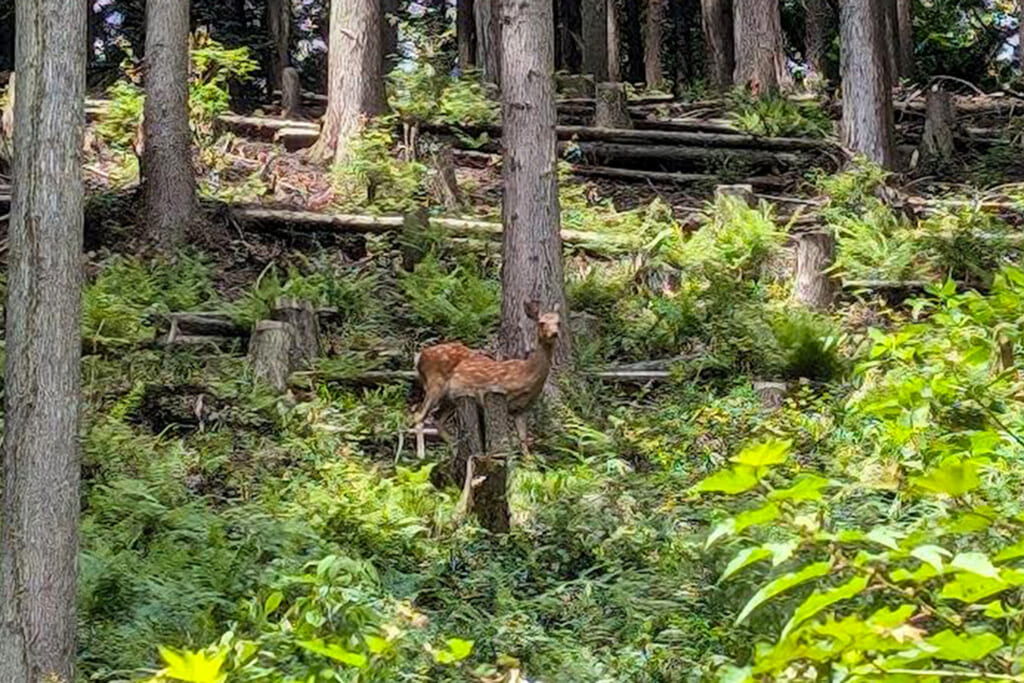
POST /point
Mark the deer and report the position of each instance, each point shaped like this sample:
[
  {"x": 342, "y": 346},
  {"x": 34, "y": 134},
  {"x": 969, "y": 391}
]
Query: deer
[
  {"x": 520, "y": 380},
  {"x": 434, "y": 365}
]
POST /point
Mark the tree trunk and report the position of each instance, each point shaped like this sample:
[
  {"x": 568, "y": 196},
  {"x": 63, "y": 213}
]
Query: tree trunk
[
  {"x": 816, "y": 37},
  {"x": 905, "y": 22},
  {"x": 760, "y": 60},
  {"x": 279, "y": 26},
  {"x": 611, "y": 110},
  {"x": 291, "y": 93},
  {"x": 614, "y": 42},
  {"x": 867, "y": 94},
  {"x": 168, "y": 177},
  {"x": 892, "y": 39},
  {"x": 490, "y": 499},
  {"x": 717, "y": 20},
  {"x": 633, "y": 35},
  {"x": 488, "y": 39},
  {"x": 572, "y": 32},
  {"x": 815, "y": 254},
  {"x": 270, "y": 353},
  {"x": 7, "y": 36},
  {"x": 468, "y": 440},
  {"x": 39, "y": 539},
  {"x": 653, "y": 32},
  {"x": 595, "y": 38},
  {"x": 937, "y": 143},
  {"x": 389, "y": 35},
  {"x": 465, "y": 34},
  {"x": 532, "y": 242},
  {"x": 355, "y": 87}
]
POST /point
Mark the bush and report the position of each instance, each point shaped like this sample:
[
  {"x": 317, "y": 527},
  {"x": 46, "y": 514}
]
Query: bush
[
  {"x": 454, "y": 303},
  {"x": 778, "y": 116}
]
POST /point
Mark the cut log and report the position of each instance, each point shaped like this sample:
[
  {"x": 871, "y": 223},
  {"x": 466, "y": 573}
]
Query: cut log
[
  {"x": 291, "y": 93},
  {"x": 294, "y": 139},
  {"x": 744, "y": 193},
  {"x": 607, "y": 153},
  {"x": 640, "y": 100},
  {"x": 938, "y": 141},
  {"x": 611, "y": 111},
  {"x": 667, "y": 178},
  {"x": 771, "y": 394},
  {"x": 270, "y": 353},
  {"x": 261, "y": 127},
  {"x": 301, "y": 316},
  {"x": 200, "y": 325},
  {"x": 814, "y": 286}
]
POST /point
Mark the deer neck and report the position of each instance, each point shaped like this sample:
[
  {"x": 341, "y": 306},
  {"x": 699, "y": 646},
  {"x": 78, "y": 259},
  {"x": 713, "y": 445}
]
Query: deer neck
[{"x": 540, "y": 359}]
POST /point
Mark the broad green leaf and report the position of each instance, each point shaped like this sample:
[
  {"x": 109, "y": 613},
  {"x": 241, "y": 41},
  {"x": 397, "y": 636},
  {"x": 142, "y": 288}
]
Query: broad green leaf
[
  {"x": 995, "y": 610},
  {"x": 976, "y": 563},
  {"x": 954, "y": 477},
  {"x": 919, "y": 575},
  {"x": 333, "y": 651},
  {"x": 460, "y": 648},
  {"x": 1011, "y": 553},
  {"x": 376, "y": 644},
  {"x": 931, "y": 555},
  {"x": 743, "y": 559},
  {"x": 883, "y": 537},
  {"x": 781, "y": 551},
  {"x": 732, "y": 481},
  {"x": 193, "y": 667},
  {"x": 772, "y": 452},
  {"x": 806, "y": 487},
  {"x": 273, "y": 602},
  {"x": 782, "y": 584},
  {"x": 819, "y": 600},
  {"x": 963, "y": 648},
  {"x": 762, "y": 515},
  {"x": 721, "y": 530},
  {"x": 734, "y": 674},
  {"x": 971, "y": 588}
]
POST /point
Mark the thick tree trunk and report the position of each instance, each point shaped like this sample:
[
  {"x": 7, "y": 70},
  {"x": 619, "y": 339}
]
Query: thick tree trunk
[
  {"x": 614, "y": 42},
  {"x": 760, "y": 60},
  {"x": 905, "y": 22},
  {"x": 465, "y": 34},
  {"x": 633, "y": 40},
  {"x": 279, "y": 26},
  {"x": 488, "y": 39},
  {"x": 532, "y": 242},
  {"x": 355, "y": 87},
  {"x": 867, "y": 93},
  {"x": 653, "y": 32},
  {"x": 892, "y": 39},
  {"x": 816, "y": 36},
  {"x": 1020, "y": 34},
  {"x": 815, "y": 254},
  {"x": 389, "y": 35},
  {"x": 717, "y": 20},
  {"x": 167, "y": 174},
  {"x": 39, "y": 540},
  {"x": 938, "y": 143},
  {"x": 490, "y": 499},
  {"x": 595, "y": 38}
]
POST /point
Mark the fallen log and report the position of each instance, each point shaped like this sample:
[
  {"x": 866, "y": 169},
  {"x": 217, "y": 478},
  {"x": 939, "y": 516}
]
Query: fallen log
[
  {"x": 668, "y": 178},
  {"x": 262, "y": 127},
  {"x": 639, "y": 100},
  {"x": 664, "y": 137},
  {"x": 689, "y": 125},
  {"x": 199, "y": 324},
  {"x": 619, "y": 153}
]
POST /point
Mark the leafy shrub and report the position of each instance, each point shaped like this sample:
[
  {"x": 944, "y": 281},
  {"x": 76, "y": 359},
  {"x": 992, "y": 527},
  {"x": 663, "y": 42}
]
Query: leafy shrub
[
  {"x": 873, "y": 245},
  {"x": 967, "y": 245},
  {"x": 808, "y": 345},
  {"x": 778, "y": 116},
  {"x": 421, "y": 95},
  {"x": 456, "y": 303},
  {"x": 735, "y": 240},
  {"x": 372, "y": 177}
]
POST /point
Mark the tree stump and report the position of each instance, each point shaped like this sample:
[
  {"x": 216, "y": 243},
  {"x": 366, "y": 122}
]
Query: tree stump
[
  {"x": 445, "y": 184},
  {"x": 771, "y": 394},
  {"x": 291, "y": 93},
  {"x": 815, "y": 253},
  {"x": 270, "y": 353},
  {"x": 301, "y": 316},
  {"x": 612, "y": 110},
  {"x": 937, "y": 143},
  {"x": 744, "y": 193},
  {"x": 484, "y": 447}
]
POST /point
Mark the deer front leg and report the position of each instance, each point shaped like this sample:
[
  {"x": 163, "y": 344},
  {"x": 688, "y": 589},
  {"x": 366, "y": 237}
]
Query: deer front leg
[
  {"x": 433, "y": 395},
  {"x": 520, "y": 421}
]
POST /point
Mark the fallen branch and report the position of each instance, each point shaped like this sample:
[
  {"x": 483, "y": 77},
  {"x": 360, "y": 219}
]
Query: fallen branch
[
  {"x": 732, "y": 139},
  {"x": 668, "y": 178},
  {"x": 608, "y": 152}
]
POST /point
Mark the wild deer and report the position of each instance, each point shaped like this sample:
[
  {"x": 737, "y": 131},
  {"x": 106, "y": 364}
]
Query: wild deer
[{"x": 452, "y": 371}]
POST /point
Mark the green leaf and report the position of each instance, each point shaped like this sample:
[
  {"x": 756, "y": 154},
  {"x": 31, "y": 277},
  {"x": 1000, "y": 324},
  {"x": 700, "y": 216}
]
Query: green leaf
[
  {"x": 193, "y": 667},
  {"x": 995, "y": 610},
  {"x": 721, "y": 530},
  {"x": 976, "y": 563},
  {"x": 736, "y": 480},
  {"x": 460, "y": 648},
  {"x": 883, "y": 537},
  {"x": 806, "y": 487},
  {"x": 743, "y": 559},
  {"x": 954, "y": 477},
  {"x": 781, "y": 551},
  {"x": 819, "y": 600},
  {"x": 931, "y": 555},
  {"x": 782, "y": 584},
  {"x": 971, "y": 588},
  {"x": 762, "y": 515},
  {"x": 963, "y": 648},
  {"x": 1012, "y": 553},
  {"x": 772, "y": 452},
  {"x": 376, "y": 644},
  {"x": 335, "y": 652},
  {"x": 272, "y": 603}
]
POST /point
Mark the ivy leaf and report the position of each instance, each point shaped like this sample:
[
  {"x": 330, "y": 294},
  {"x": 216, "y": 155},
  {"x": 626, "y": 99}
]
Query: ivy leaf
[
  {"x": 975, "y": 563},
  {"x": 335, "y": 652},
  {"x": 954, "y": 477},
  {"x": 931, "y": 555},
  {"x": 806, "y": 487},
  {"x": 953, "y": 647},
  {"x": 772, "y": 452},
  {"x": 818, "y": 601},
  {"x": 744, "y": 559},
  {"x": 782, "y": 584},
  {"x": 736, "y": 480},
  {"x": 1012, "y": 553}
]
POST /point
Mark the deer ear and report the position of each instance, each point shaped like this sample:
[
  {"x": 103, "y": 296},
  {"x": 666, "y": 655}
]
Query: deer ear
[
  {"x": 557, "y": 308},
  {"x": 532, "y": 309}
]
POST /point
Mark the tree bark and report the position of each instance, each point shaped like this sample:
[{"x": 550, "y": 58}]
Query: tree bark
[
  {"x": 488, "y": 39},
  {"x": 937, "y": 142},
  {"x": 465, "y": 34},
  {"x": 490, "y": 500},
  {"x": 653, "y": 32},
  {"x": 815, "y": 254},
  {"x": 614, "y": 42},
  {"x": 301, "y": 316},
  {"x": 291, "y": 93},
  {"x": 867, "y": 93},
  {"x": 760, "y": 60},
  {"x": 532, "y": 242},
  {"x": 279, "y": 26},
  {"x": 270, "y": 353},
  {"x": 39, "y": 539},
  {"x": 572, "y": 32},
  {"x": 717, "y": 20},
  {"x": 168, "y": 177},
  {"x": 389, "y": 35},
  {"x": 892, "y": 39},
  {"x": 816, "y": 38},
  {"x": 355, "y": 86},
  {"x": 595, "y": 38},
  {"x": 1020, "y": 33},
  {"x": 905, "y": 23},
  {"x": 611, "y": 110},
  {"x": 633, "y": 39}
]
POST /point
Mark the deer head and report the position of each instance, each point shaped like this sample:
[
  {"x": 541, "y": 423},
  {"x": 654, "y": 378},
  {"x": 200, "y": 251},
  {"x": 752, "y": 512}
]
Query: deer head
[{"x": 549, "y": 325}]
